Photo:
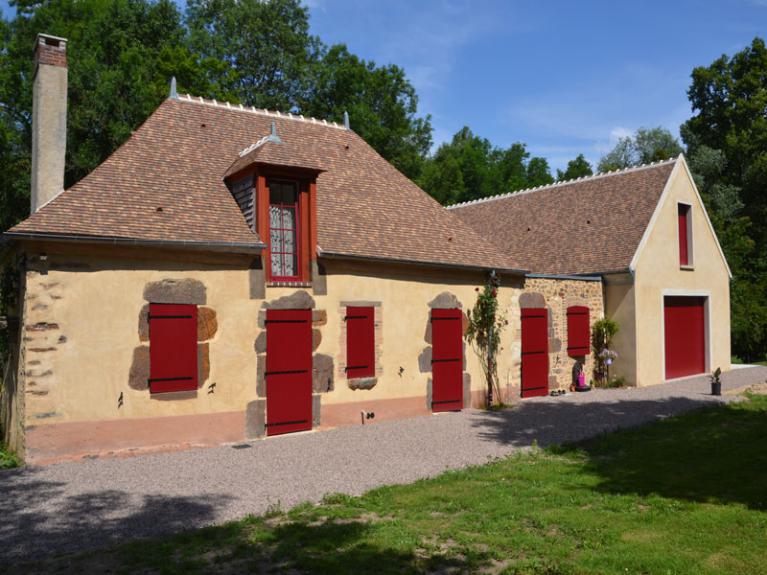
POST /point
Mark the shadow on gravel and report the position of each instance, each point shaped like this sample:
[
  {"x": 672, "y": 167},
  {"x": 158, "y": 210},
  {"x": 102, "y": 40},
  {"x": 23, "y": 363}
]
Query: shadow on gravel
[
  {"x": 716, "y": 455},
  {"x": 86, "y": 521},
  {"x": 552, "y": 422}
]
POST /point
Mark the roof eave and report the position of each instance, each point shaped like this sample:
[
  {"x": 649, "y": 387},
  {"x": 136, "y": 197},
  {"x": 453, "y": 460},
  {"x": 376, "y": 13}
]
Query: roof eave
[
  {"x": 428, "y": 263},
  {"x": 227, "y": 247}
]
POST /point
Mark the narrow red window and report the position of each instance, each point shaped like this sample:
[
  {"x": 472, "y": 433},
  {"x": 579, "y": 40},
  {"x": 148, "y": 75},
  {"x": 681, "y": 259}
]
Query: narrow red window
[
  {"x": 172, "y": 347},
  {"x": 283, "y": 231},
  {"x": 578, "y": 331},
  {"x": 360, "y": 342},
  {"x": 684, "y": 235}
]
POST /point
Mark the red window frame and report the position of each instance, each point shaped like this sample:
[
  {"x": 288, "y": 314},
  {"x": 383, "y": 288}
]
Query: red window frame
[
  {"x": 685, "y": 233},
  {"x": 360, "y": 342},
  {"x": 578, "y": 331},
  {"x": 296, "y": 229},
  {"x": 172, "y": 348}
]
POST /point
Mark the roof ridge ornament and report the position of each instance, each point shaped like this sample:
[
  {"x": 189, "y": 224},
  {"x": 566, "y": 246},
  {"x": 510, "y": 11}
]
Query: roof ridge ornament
[
  {"x": 261, "y": 112},
  {"x": 273, "y": 137},
  {"x": 346, "y": 120},
  {"x": 598, "y": 175},
  {"x": 173, "y": 95}
]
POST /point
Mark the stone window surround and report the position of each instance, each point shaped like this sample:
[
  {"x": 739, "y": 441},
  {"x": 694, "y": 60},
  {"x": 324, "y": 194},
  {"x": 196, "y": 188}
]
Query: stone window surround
[{"x": 444, "y": 300}]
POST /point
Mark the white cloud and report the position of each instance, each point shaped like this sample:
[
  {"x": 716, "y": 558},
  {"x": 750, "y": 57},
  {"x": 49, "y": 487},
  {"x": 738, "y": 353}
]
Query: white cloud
[{"x": 619, "y": 132}]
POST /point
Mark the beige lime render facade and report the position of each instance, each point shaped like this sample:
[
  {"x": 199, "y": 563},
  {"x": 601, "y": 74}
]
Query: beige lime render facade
[{"x": 232, "y": 273}]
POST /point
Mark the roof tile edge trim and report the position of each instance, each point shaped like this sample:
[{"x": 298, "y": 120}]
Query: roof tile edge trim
[
  {"x": 564, "y": 183},
  {"x": 188, "y": 98}
]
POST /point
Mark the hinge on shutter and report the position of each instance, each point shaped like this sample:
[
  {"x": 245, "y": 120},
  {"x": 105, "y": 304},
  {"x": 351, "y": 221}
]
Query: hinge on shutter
[
  {"x": 276, "y": 423},
  {"x": 151, "y": 317},
  {"x": 348, "y": 367}
]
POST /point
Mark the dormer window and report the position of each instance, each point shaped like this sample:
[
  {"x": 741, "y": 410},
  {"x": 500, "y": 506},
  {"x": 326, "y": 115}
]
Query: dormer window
[
  {"x": 274, "y": 182},
  {"x": 284, "y": 231}
]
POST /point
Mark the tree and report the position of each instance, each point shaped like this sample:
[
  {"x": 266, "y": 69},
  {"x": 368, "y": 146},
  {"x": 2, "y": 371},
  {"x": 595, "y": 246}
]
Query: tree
[
  {"x": 444, "y": 180},
  {"x": 577, "y": 168},
  {"x": 485, "y": 170},
  {"x": 121, "y": 55},
  {"x": 726, "y": 140},
  {"x": 381, "y": 102},
  {"x": 266, "y": 48},
  {"x": 646, "y": 146},
  {"x": 538, "y": 172}
]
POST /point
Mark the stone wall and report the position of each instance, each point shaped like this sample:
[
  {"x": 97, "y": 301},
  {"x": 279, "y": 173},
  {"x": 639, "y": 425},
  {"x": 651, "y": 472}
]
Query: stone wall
[{"x": 557, "y": 295}]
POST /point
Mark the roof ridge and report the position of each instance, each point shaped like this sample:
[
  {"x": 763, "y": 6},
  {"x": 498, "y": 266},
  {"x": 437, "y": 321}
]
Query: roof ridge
[
  {"x": 596, "y": 176},
  {"x": 260, "y": 111}
]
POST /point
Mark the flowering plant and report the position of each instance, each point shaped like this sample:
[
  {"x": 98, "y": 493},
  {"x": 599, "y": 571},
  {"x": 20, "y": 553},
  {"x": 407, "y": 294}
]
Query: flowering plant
[{"x": 484, "y": 332}]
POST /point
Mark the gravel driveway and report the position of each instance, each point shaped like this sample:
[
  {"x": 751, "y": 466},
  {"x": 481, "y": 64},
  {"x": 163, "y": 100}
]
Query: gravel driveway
[{"x": 75, "y": 506}]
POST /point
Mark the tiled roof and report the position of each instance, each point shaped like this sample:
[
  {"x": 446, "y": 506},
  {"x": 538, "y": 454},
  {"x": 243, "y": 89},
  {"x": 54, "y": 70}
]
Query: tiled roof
[
  {"x": 266, "y": 151},
  {"x": 177, "y": 160},
  {"x": 590, "y": 225}
]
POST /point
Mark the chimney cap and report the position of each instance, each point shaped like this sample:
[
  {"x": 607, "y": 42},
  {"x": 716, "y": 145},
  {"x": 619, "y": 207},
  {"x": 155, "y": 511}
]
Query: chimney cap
[{"x": 45, "y": 37}]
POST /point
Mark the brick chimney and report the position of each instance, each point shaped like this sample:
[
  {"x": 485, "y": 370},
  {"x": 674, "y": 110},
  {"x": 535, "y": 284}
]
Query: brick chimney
[{"x": 49, "y": 119}]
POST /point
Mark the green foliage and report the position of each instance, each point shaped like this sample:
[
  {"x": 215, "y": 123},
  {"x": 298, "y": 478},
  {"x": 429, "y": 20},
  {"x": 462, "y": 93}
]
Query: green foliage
[
  {"x": 122, "y": 54},
  {"x": 577, "y": 168},
  {"x": 602, "y": 333},
  {"x": 265, "y": 47},
  {"x": 381, "y": 102},
  {"x": 486, "y": 324},
  {"x": 727, "y": 148},
  {"x": 469, "y": 167},
  {"x": 8, "y": 459},
  {"x": 538, "y": 172},
  {"x": 646, "y": 146}
]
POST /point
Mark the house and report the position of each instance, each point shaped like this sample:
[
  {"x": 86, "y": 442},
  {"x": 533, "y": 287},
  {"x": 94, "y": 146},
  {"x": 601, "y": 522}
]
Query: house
[
  {"x": 232, "y": 273},
  {"x": 645, "y": 233}
]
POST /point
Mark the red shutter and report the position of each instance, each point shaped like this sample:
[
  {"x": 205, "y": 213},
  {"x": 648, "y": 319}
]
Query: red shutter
[
  {"x": 447, "y": 359},
  {"x": 578, "y": 331},
  {"x": 535, "y": 352},
  {"x": 360, "y": 342},
  {"x": 172, "y": 347},
  {"x": 684, "y": 214}
]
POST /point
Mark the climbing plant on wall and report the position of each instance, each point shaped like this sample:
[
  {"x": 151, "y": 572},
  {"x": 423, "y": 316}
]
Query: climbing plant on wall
[
  {"x": 602, "y": 334},
  {"x": 484, "y": 333}
]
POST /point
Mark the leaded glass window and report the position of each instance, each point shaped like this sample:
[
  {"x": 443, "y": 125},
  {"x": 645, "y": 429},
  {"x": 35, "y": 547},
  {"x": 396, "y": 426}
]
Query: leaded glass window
[{"x": 283, "y": 229}]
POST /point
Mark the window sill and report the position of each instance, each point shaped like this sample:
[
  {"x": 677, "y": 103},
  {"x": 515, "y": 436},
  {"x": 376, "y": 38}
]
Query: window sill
[
  {"x": 687, "y": 268},
  {"x": 289, "y": 284}
]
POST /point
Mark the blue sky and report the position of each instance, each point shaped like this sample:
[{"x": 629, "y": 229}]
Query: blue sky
[{"x": 564, "y": 77}]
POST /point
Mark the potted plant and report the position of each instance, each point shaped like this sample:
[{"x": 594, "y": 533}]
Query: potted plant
[{"x": 716, "y": 382}]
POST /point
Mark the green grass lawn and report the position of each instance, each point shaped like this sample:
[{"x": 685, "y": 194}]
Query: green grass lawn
[{"x": 685, "y": 495}]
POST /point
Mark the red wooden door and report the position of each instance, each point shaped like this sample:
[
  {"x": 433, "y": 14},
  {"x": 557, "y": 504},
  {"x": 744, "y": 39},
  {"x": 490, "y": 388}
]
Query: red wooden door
[
  {"x": 288, "y": 371},
  {"x": 446, "y": 360},
  {"x": 685, "y": 335},
  {"x": 535, "y": 352}
]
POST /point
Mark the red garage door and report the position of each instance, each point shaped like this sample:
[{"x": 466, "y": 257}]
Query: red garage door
[
  {"x": 535, "y": 352},
  {"x": 446, "y": 360},
  {"x": 685, "y": 335},
  {"x": 288, "y": 371}
]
